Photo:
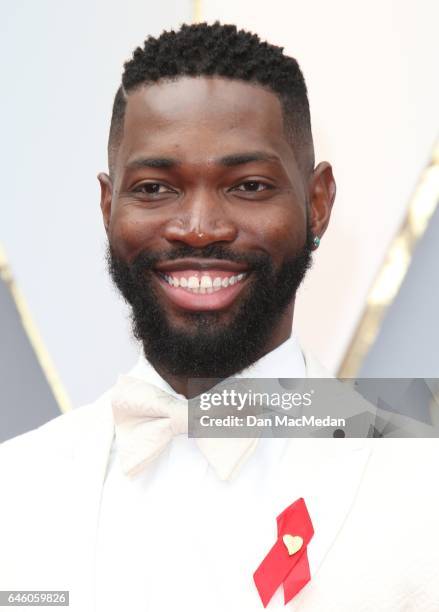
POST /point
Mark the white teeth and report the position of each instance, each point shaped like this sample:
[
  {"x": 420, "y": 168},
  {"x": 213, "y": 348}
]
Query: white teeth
[
  {"x": 206, "y": 282},
  {"x": 193, "y": 282}
]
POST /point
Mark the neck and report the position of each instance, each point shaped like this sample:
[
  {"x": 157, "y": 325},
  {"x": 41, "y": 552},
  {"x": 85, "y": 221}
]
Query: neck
[{"x": 187, "y": 387}]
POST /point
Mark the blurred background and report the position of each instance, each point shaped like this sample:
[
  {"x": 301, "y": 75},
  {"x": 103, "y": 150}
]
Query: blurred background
[{"x": 370, "y": 304}]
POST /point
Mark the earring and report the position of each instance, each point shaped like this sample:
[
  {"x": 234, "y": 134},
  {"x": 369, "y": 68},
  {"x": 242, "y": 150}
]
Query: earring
[{"x": 316, "y": 242}]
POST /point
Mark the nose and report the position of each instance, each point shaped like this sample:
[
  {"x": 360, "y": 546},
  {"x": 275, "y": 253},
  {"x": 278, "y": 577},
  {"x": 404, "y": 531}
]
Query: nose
[{"x": 201, "y": 221}]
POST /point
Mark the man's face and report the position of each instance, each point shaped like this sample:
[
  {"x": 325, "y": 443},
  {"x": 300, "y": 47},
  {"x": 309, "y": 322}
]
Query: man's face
[{"x": 208, "y": 222}]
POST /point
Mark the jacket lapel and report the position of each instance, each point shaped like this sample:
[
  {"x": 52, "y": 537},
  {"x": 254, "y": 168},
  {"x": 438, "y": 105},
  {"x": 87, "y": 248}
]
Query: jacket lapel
[{"x": 328, "y": 473}]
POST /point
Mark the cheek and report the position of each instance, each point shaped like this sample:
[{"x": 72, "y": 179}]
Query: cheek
[
  {"x": 280, "y": 235},
  {"x": 130, "y": 232}
]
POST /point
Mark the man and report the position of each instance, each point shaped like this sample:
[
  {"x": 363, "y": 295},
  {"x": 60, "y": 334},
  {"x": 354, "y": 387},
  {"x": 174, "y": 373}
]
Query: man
[{"x": 212, "y": 206}]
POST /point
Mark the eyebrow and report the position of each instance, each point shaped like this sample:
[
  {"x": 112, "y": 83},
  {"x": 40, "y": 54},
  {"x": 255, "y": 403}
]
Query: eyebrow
[
  {"x": 236, "y": 159},
  {"x": 245, "y": 158},
  {"x": 153, "y": 162}
]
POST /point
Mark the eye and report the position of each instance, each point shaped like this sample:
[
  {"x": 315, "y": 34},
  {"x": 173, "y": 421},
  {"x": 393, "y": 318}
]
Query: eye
[
  {"x": 152, "y": 189},
  {"x": 253, "y": 187}
]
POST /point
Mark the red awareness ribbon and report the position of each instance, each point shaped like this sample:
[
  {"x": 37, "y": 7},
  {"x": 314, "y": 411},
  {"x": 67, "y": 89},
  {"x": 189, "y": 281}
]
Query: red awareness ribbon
[{"x": 279, "y": 567}]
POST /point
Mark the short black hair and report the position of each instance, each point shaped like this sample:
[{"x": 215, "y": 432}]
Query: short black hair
[{"x": 219, "y": 50}]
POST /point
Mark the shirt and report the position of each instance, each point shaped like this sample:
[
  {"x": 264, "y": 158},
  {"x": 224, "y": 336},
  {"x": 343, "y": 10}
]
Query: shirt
[{"x": 176, "y": 537}]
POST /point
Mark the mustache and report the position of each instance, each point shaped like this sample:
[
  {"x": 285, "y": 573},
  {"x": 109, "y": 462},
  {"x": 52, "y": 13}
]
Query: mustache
[{"x": 148, "y": 259}]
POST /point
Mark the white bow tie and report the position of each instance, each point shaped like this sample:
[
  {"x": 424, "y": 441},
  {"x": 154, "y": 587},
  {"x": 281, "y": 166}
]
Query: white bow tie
[{"x": 147, "y": 418}]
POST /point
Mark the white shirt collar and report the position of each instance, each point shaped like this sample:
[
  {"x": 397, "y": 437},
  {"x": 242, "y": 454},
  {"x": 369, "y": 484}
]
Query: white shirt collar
[
  {"x": 228, "y": 455},
  {"x": 285, "y": 361}
]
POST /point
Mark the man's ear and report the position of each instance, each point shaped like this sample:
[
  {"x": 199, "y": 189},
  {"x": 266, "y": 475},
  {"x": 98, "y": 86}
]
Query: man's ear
[
  {"x": 106, "y": 197},
  {"x": 322, "y": 195}
]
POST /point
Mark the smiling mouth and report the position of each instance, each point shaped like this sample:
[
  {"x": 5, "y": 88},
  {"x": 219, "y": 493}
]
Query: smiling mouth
[
  {"x": 199, "y": 289},
  {"x": 204, "y": 282}
]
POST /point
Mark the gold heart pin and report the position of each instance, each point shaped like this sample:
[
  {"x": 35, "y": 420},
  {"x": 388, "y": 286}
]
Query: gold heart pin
[{"x": 293, "y": 543}]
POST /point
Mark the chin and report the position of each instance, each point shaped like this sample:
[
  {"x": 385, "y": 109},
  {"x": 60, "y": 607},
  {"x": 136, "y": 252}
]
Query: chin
[{"x": 201, "y": 320}]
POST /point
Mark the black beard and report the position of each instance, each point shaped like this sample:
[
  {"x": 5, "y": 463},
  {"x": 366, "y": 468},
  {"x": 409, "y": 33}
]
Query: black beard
[{"x": 211, "y": 348}]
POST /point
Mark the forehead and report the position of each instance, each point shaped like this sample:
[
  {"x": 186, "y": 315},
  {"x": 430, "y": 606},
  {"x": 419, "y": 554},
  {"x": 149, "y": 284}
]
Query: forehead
[{"x": 203, "y": 117}]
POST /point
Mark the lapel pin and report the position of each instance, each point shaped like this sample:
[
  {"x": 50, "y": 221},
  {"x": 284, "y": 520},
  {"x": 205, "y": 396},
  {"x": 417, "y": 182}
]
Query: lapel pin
[{"x": 293, "y": 543}]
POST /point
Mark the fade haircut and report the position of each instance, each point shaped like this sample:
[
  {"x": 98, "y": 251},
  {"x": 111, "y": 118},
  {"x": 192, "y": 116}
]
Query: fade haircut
[{"x": 219, "y": 50}]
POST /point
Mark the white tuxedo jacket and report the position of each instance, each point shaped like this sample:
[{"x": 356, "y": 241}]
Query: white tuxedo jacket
[{"x": 374, "y": 504}]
